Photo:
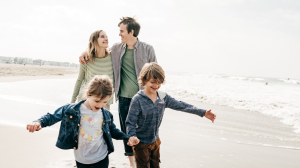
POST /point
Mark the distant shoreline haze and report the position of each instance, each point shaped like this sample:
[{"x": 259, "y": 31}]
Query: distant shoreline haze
[
  {"x": 30, "y": 61},
  {"x": 22, "y": 60}
]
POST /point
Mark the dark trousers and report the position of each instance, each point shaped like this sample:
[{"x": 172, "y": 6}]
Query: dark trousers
[
  {"x": 147, "y": 155},
  {"x": 101, "y": 164},
  {"x": 123, "y": 112}
]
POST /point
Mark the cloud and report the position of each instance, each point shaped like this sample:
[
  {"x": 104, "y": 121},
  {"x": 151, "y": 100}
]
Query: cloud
[
  {"x": 60, "y": 15},
  {"x": 221, "y": 2}
]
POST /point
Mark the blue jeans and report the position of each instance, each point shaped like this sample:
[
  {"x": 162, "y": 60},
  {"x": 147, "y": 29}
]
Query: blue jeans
[{"x": 123, "y": 112}]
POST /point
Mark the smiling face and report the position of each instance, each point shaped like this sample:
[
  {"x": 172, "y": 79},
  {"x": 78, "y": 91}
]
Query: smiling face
[
  {"x": 94, "y": 103},
  {"x": 152, "y": 86},
  {"x": 102, "y": 40},
  {"x": 125, "y": 36}
]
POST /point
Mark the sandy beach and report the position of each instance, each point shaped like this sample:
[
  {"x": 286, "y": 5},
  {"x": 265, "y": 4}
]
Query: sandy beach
[
  {"x": 238, "y": 138},
  {"x": 18, "y": 72}
]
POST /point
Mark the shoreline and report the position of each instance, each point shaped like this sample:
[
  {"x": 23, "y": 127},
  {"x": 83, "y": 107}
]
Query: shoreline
[
  {"x": 25, "y": 78},
  {"x": 238, "y": 138},
  {"x": 17, "y": 72},
  {"x": 187, "y": 141}
]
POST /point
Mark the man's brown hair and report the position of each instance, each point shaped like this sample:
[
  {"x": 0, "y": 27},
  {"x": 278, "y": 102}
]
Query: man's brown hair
[
  {"x": 132, "y": 24},
  {"x": 151, "y": 70},
  {"x": 100, "y": 86}
]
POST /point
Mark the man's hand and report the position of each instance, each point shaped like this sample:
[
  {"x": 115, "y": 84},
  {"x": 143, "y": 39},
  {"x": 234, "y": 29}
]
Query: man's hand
[
  {"x": 209, "y": 115},
  {"x": 34, "y": 126},
  {"x": 133, "y": 141},
  {"x": 83, "y": 58}
]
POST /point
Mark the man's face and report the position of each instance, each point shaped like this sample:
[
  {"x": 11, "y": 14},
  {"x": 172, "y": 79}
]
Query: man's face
[{"x": 125, "y": 36}]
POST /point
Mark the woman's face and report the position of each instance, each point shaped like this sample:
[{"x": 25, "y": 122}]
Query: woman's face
[{"x": 102, "y": 40}]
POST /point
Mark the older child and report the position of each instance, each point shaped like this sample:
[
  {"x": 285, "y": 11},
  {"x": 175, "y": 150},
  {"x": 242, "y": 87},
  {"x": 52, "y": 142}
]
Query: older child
[
  {"x": 146, "y": 112},
  {"x": 99, "y": 63},
  {"x": 86, "y": 126}
]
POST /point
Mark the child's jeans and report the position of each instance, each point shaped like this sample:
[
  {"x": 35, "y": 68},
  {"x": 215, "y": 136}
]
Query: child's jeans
[
  {"x": 101, "y": 164},
  {"x": 147, "y": 155}
]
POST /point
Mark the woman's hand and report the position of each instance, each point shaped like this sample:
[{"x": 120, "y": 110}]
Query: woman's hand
[{"x": 34, "y": 126}]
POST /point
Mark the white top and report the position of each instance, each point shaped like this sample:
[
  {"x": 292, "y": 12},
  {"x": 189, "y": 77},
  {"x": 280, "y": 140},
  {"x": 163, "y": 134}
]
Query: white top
[{"x": 92, "y": 147}]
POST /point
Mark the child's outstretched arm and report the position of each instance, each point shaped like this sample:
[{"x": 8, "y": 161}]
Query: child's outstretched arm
[
  {"x": 115, "y": 132},
  {"x": 182, "y": 106},
  {"x": 46, "y": 120}
]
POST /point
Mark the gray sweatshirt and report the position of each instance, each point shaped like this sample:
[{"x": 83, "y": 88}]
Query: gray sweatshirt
[
  {"x": 144, "y": 116},
  {"x": 143, "y": 53}
]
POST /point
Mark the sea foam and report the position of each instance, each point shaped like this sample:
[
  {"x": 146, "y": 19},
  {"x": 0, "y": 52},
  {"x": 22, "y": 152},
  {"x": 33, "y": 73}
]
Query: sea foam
[{"x": 275, "y": 99}]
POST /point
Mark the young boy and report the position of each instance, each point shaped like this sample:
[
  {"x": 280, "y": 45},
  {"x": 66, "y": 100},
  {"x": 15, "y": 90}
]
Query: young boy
[{"x": 146, "y": 112}]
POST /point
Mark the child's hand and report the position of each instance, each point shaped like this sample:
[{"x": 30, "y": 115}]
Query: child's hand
[
  {"x": 34, "y": 126},
  {"x": 133, "y": 141},
  {"x": 209, "y": 115}
]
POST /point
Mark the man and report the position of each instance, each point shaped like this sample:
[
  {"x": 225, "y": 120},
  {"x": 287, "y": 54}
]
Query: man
[{"x": 128, "y": 59}]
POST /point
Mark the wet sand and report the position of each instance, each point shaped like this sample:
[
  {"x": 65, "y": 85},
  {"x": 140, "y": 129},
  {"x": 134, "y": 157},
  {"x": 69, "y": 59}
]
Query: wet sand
[
  {"x": 187, "y": 141},
  {"x": 238, "y": 138}
]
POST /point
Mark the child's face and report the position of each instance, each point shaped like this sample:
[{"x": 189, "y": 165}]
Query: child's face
[
  {"x": 152, "y": 86},
  {"x": 96, "y": 103}
]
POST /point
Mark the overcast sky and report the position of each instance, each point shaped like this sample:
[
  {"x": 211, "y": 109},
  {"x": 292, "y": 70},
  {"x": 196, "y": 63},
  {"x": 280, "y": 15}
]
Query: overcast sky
[{"x": 234, "y": 37}]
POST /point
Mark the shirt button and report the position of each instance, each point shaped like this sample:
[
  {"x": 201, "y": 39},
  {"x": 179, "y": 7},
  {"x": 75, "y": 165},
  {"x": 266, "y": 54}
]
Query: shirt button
[
  {"x": 71, "y": 116},
  {"x": 75, "y": 141},
  {"x": 76, "y": 133},
  {"x": 74, "y": 148},
  {"x": 78, "y": 125}
]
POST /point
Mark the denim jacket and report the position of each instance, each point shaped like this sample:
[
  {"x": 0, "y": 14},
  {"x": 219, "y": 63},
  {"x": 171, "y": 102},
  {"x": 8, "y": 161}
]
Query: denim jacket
[{"x": 69, "y": 115}]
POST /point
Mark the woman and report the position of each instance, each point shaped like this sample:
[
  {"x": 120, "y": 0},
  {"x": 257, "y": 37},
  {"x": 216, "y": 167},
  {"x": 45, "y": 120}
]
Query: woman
[{"x": 99, "y": 63}]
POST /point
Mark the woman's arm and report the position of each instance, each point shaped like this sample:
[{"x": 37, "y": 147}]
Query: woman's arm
[{"x": 78, "y": 83}]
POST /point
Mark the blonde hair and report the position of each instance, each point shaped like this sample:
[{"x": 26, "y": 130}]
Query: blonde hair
[
  {"x": 100, "y": 86},
  {"x": 93, "y": 47},
  {"x": 151, "y": 70}
]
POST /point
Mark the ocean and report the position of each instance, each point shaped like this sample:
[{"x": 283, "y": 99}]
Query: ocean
[{"x": 274, "y": 97}]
